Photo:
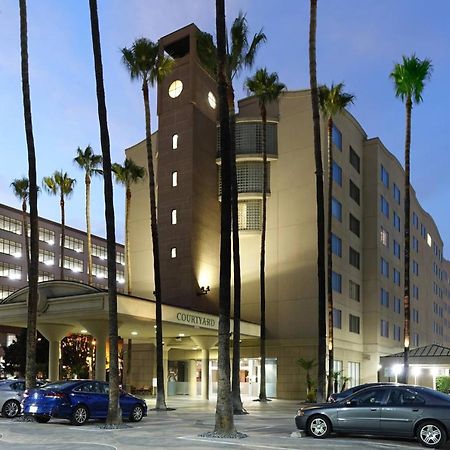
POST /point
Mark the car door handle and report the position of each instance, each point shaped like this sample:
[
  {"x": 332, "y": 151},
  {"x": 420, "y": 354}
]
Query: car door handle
[{"x": 415, "y": 410}]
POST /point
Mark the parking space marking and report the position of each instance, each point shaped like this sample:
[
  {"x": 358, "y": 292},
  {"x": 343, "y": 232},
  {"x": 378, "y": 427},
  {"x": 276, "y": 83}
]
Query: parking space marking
[{"x": 237, "y": 442}]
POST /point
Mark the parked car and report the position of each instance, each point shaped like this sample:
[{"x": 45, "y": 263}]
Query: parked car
[
  {"x": 11, "y": 392},
  {"x": 78, "y": 401},
  {"x": 347, "y": 392},
  {"x": 396, "y": 410}
]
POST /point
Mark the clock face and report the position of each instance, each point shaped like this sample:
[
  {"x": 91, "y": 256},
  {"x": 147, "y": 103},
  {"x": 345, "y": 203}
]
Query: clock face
[
  {"x": 175, "y": 88},
  {"x": 211, "y": 100}
]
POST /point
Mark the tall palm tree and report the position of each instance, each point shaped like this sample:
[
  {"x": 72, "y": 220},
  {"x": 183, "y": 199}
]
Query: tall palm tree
[
  {"x": 114, "y": 413},
  {"x": 224, "y": 423},
  {"x": 127, "y": 174},
  {"x": 60, "y": 184},
  {"x": 88, "y": 161},
  {"x": 409, "y": 81},
  {"x": 30, "y": 375},
  {"x": 21, "y": 189},
  {"x": 266, "y": 88},
  {"x": 144, "y": 63},
  {"x": 320, "y": 204},
  {"x": 240, "y": 55},
  {"x": 332, "y": 101}
]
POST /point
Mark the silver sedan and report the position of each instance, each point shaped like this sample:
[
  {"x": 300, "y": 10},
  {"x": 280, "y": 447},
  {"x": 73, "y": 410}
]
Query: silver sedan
[
  {"x": 386, "y": 410},
  {"x": 11, "y": 392}
]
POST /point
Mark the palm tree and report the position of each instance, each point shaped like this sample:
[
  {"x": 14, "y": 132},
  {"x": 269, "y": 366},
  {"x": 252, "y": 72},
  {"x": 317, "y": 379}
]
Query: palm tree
[
  {"x": 320, "y": 202},
  {"x": 409, "y": 80},
  {"x": 224, "y": 423},
  {"x": 266, "y": 88},
  {"x": 88, "y": 161},
  {"x": 144, "y": 62},
  {"x": 30, "y": 375},
  {"x": 60, "y": 184},
  {"x": 127, "y": 174},
  {"x": 240, "y": 55},
  {"x": 114, "y": 413},
  {"x": 332, "y": 101},
  {"x": 307, "y": 365},
  {"x": 20, "y": 187}
]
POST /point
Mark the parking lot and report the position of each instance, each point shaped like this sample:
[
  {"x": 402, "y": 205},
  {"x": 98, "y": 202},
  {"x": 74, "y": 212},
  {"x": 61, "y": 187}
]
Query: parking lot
[{"x": 268, "y": 426}]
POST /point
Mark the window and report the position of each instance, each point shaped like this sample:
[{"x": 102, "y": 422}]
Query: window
[
  {"x": 354, "y": 192},
  {"x": 99, "y": 251},
  {"x": 415, "y": 339},
  {"x": 45, "y": 276},
  {"x": 423, "y": 230},
  {"x": 396, "y": 221},
  {"x": 397, "y": 196},
  {"x": 354, "y": 159},
  {"x": 46, "y": 257},
  {"x": 354, "y": 290},
  {"x": 174, "y": 216},
  {"x": 384, "y": 237},
  {"x": 396, "y": 277},
  {"x": 173, "y": 252},
  {"x": 211, "y": 100},
  {"x": 384, "y": 328},
  {"x": 46, "y": 236},
  {"x": 354, "y": 224},
  {"x": 74, "y": 264},
  {"x": 5, "y": 291},
  {"x": 415, "y": 267},
  {"x": 384, "y": 175},
  {"x": 337, "y": 173},
  {"x": 336, "y": 137},
  {"x": 384, "y": 206},
  {"x": 336, "y": 245},
  {"x": 353, "y": 324},
  {"x": 353, "y": 257},
  {"x": 12, "y": 271},
  {"x": 336, "y": 209},
  {"x": 397, "y": 332},
  {"x": 353, "y": 374},
  {"x": 174, "y": 179},
  {"x": 415, "y": 220},
  {"x": 120, "y": 258},
  {"x": 10, "y": 248},
  {"x": 384, "y": 267},
  {"x": 336, "y": 281},
  {"x": 397, "y": 305},
  {"x": 429, "y": 240},
  {"x": 250, "y": 215},
  {"x": 415, "y": 244},
  {"x": 415, "y": 292},
  {"x": 99, "y": 271},
  {"x": 384, "y": 298},
  {"x": 174, "y": 141},
  {"x": 175, "y": 88},
  {"x": 415, "y": 315},
  {"x": 337, "y": 318},
  {"x": 72, "y": 243},
  {"x": 397, "y": 249}
]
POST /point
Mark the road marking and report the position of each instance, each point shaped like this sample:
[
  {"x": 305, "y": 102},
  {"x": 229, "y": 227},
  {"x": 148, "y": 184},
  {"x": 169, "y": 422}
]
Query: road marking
[{"x": 236, "y": 442}]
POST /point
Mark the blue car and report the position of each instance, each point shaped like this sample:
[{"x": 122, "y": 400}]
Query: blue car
[{"x": 78, "y": 401}]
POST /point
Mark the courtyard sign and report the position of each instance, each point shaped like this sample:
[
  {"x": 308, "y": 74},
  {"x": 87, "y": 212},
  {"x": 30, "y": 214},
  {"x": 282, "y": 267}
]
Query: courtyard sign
[{"x": 196, "y": 319}]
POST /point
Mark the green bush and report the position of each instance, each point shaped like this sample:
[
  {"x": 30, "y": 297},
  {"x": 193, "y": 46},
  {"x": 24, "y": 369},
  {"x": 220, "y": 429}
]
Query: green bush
[{"x": 443, "y": 384}]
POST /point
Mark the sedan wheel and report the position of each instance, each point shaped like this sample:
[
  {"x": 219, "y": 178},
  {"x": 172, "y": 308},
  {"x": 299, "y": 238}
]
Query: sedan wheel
[
  {"x": 319, "y": 427},
  {"x": 431, "y": 435},
  {"x": 11, "y": 409},
  {"x": 80, "y": 416},
  {"x": 137, "y": 413}
]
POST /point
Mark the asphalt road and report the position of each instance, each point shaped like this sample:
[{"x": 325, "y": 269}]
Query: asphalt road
[{"x": 268, "y": 426}]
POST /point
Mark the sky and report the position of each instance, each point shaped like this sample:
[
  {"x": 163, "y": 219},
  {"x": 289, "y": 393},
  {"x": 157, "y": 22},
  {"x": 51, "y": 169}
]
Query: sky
[{"x": 358, "y": 43}]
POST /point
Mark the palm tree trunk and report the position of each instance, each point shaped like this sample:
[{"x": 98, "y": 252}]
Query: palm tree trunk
[
  {"x": 114, "y": 412},
  {"x": 25, "y": 233},
  {"x": 224, "y": 421},
  {"x": 160, "y": 395},
  {"x": 30, "y": 375},
  {"x": 406, "y": 298},
  {"x": 330, "y": 262},
  {"x": 127, "y": 238},
  {"x": 238, "y": 407},
  {"x": 88, "y": 226},
  {"x": 63, "y": 235},
  {"x": 129, "y": 360},
  {"x": 322, "y": 325},
  {"x": 262, "y": 267}
]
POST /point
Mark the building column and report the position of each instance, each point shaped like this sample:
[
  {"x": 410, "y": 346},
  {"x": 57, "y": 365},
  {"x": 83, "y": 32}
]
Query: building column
[
  {"x": 54, "y": 334},
  {"x": 205, "y": 343},
  {"x": 192, "y": 372},
  {"x": 99, "y": 330}
]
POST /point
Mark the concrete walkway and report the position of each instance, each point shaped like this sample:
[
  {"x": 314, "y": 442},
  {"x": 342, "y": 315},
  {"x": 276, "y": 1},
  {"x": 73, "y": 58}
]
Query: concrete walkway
[{"x": 268, "y": 426}]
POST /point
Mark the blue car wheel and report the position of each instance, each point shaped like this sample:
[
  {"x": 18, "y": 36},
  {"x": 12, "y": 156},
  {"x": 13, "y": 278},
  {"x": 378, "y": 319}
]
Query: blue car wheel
[
  {"x": 80, "y": 415},
  {"x": 136, "y": 413}
]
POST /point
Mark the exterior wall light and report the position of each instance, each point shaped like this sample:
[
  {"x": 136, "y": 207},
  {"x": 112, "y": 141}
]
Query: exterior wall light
[{"x": 204, "y": 290}]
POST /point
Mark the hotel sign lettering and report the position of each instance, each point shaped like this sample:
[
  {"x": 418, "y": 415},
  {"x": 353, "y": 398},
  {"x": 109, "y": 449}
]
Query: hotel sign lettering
[{"x": 196, "y": 319}]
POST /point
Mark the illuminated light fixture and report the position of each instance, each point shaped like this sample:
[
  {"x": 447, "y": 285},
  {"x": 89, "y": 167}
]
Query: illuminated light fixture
[
  {"x": 83, "y": 331},
  {"x": 102, "y": 257},
  {"x": 397, "y": 369},
  {"x": 76, "y": 269},
  {"x": 100, "y": 275},
  {"x": 155, "y": 326},
  {"x": 134, "y": 333},
  {"x": 17, "y": 254},
  {"x": 204, "y": 290},
  {"x": 120, "y": 280},
  {"x": 416, "y": 371},
  {"x": 78, "y": 250},
  {"x": 434, "y": 371},
  {"x": 14, "y": 276},
  {"x": 49, "y": 262},
  {"x": 181, "y": 334},
  {"x": 50, "y": 242}
]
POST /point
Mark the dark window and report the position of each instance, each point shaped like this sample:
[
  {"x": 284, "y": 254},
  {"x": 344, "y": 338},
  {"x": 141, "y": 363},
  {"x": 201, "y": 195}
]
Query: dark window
[
  {"x": 353, "y": 324},
  {"x": 355, "y": 160},
  {"x": 354, "y": 224},
  {"x": 404, "y": 397},
  {"x": 384, "y": 175},
  {"x": 354, "y": 290},
  {"x": 369, "y": 397},
  {"x": 337, "y": 318},
  {"x": 337, "y": 173},
  {"x": 336, "y": 245},
  {"x": 336, "y": 137},
  {"x": 353, "y": 257},
  {"x": 354, "y": 192},
  {"x": 336, "y": 209},
  {"x": 397, "y": 196},
  {"x": 336, "y": 281},
  {"x": 384, "y": 206}
]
